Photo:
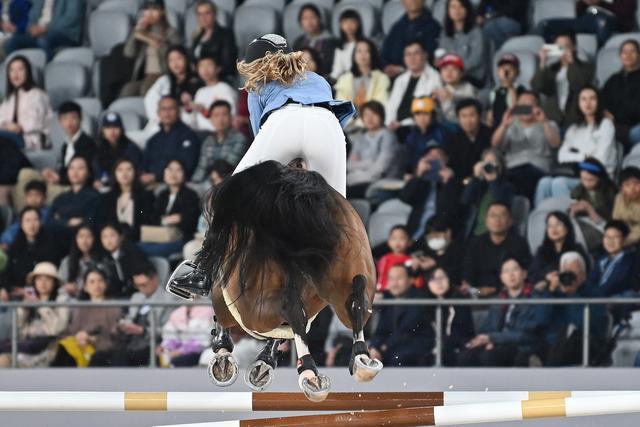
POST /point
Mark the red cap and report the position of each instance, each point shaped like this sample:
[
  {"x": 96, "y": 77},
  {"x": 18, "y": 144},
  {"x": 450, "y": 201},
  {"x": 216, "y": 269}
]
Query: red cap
[{"x": 451, "y": 59}]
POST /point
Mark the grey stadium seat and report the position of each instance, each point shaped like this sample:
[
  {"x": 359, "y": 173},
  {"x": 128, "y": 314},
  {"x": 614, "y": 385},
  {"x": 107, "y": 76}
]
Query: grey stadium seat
[
  {"x": 395, "y": 206},
  {"x": 107, "y": 29},
  {"x": 6, "y": 217},
  {"x": 179, "y": 6},
  {"x": 632, "y": 159},
  {"x": 90, "y": 106},
  {"x": 36, "y": 57},
  {"x": 290, "y": 24},
  {"x": 587, "y": 45},
  {"x": 616, "y": 40},
  {"x": 65, "y": 81},
  {"x": 536, "y": 227},
  {"x": 129, "y": 7},
  {"x": 391, "y": 12},
  {"x": 134, "y": 104},
  {"x": 439, "y": 11},
  {"x": 607, "y": 63},
  {"x": 520, "y": 208},
  {"x": 380, "y": 224},
  {"x": 228, "y": 6},
  {"x": 81, "y": 55},
  {"x": 131, "y": 120},
  {"x": 363, "y": 207},
  {"x": 529, "y": 42},
  {"x": 253, "y": 21},
  {"x": 278, "y": 5},
  {"x": 162, "y": 268},
  {"x": 549, "y": 9},
  {"x": 528, "y": 64},
  {"x": 367, "y": 15}
]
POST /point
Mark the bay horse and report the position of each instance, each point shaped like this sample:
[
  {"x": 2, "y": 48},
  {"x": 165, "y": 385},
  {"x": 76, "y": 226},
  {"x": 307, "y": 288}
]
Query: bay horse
[{"x": 282, "y": 244}]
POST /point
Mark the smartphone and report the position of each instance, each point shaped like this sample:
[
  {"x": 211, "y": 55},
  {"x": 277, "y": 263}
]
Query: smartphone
[
  {"x": 522, "y": 110},
  {"x": 434, "y": 172},
  {"x": 553, "y": 50},
  {"x": 30, "y": 291}
]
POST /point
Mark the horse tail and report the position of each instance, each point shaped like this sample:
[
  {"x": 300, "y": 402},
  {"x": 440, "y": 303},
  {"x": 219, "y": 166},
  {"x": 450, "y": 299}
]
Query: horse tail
[{"x": 271, "y": 214}]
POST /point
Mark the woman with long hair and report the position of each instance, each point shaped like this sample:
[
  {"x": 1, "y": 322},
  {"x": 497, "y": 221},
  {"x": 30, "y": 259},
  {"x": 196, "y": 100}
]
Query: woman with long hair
[
  {"x": 26, "y": 111},
  {"x": 461, "y": 35},
  {"x": 127, "y": 203},
  {"x": 365, "y": 81},
  {"x": 83, "y": 255},
  {"x": 350, "y": 33},
  {"x": 594, "y": 135},
  {"x": 293, "y": 115},
  {"x": 559, "y": 238}
]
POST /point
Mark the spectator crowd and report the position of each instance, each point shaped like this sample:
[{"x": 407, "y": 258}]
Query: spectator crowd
[{"x": 483, "y": 170}]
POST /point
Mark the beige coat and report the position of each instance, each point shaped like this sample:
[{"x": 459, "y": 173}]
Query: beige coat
[{"x": 34, "y": 116}]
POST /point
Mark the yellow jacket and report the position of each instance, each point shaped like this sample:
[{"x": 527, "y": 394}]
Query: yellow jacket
[{"x": 378, "y": 89}]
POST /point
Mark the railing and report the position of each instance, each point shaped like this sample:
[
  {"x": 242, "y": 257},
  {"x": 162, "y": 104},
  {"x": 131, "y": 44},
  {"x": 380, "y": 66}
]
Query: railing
[{"x": 586, "y": 302}]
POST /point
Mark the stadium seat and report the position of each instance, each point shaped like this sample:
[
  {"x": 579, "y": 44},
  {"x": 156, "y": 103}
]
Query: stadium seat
[
  {"x": 290, "y": 24},
  {"x": 179, "y": 6},
  {"x": 6, "y": 217},
  {"x": 131, "y": 121},
  {"x": 228, "y": 6},
  {"x": 607, "y": 63},
  {"x": 90, "y": 106},
  {"x": 394, "y": 206},
  {"x": 377, "y": 4},
  {"x": 536, "y": 227},
  {"x": 528, "y": 64},
  {"x": 380, "y": 224},
  {"x": 81, "y": 55},
  {"x": 439, "y": 11},
  {"x": 391, "y": 12},
  {"x": 36, "y": 57},
  {"x": 162, "y": 268},
  {"x": 529, "y": 43},
  {"x": 632, "y": 159},
  {"x": 587, "y": 46},
  {"x": 129, "y": 7},
  {"x": 134, "y": 104},
  {"x": 278, "y": 5},
  {"x": 64, "y": 81},
  {"x": 616, "y": 40},
  {"x": 367, "y": 14},
  {"x": 520, "y": 207},
  {"x": 253, "y": 21},
  {"x": 107, "y": 29},
  {"x": 363, "y": 207},
  {"x": 550, "y": 9}
]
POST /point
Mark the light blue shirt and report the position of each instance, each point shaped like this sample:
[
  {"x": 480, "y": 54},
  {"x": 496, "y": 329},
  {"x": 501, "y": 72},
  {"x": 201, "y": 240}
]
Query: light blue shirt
[{"x": 310, "y": 89}]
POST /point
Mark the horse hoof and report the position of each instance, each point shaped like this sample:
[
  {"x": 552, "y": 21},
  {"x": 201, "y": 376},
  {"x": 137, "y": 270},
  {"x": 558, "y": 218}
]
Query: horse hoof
[
  {"x": 223, "y": 369},
  {"x": 316, "y": 388},
  {"x": 365, "y": 369},
  {"x": 259, "y": 375}
]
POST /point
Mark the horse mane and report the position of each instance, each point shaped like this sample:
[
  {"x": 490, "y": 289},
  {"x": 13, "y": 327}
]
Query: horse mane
[{"x": 271, "y": 214}]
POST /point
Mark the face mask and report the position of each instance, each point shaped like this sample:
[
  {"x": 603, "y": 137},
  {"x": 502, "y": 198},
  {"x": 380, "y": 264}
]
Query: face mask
[{"x": 437, "y": 243}]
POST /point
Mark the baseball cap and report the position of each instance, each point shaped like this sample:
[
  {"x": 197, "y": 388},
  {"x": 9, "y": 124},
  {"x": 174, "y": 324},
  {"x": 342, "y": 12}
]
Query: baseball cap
[
  {"x": 423, "y": 104},
  {"x": 259, "y": 47},
  {"x": 451, "y": 59},
  {"x": 159, "y": 4},
  {"x": 111, "y": 119},
  {"x": 509, "y": 58}
]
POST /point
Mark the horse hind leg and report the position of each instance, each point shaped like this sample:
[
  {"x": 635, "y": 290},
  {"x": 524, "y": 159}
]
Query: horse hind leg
[
  {"x": 361, "y": 366},
  {"x": 315, "y": 386},
  {"x": 259, "y": 375},
  {"x": 223, "y": 368}
]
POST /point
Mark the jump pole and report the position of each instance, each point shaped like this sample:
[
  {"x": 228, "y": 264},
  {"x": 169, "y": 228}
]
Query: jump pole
[
  {"x": 491, "y": 412},
  {"x": 82, "y": 401}
]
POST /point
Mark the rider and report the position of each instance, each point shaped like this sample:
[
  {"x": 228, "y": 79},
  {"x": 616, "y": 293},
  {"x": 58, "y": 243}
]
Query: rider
[{"x": 293, "y": 115}]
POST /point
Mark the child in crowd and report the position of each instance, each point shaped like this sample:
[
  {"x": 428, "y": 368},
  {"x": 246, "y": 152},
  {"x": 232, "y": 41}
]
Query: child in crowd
[
  {"x": 627, "y": 204},
  {"x": 35, "y": 196},
  {"x": 426, "y": 130},
  {"x": 399, "y": 242},
  {"x": 455, "y": 87},
  {"x": 504, "y": 95},
  {"x": 214, "y": 90}
]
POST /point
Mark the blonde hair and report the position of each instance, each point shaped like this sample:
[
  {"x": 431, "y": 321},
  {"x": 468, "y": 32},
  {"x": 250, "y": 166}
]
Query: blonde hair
[{"x": 278, "y": 67}]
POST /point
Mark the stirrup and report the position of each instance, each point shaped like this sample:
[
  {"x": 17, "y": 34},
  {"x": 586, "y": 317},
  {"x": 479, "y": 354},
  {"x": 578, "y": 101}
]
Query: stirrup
[{"x": 185, "y": 269}]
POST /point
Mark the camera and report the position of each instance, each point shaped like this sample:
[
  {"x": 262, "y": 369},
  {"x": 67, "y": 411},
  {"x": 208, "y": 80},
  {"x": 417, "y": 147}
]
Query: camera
[
  {"x": 567, "y": 278},
  {"x": 490, "y": 167}
]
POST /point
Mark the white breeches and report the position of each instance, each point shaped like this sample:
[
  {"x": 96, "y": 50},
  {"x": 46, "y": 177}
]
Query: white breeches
[{"x": 310, "y": 133}]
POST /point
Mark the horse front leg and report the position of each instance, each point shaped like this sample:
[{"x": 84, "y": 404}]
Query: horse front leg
[
  {"x": 259, "y": 375},
  {"x": 223, "y": 368},
  {"x": 361, "y": 366},
  {"x": 315, "y": 386}
]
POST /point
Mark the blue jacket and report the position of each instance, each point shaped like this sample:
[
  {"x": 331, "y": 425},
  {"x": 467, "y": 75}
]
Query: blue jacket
[
  {"x": 18, "y": 14},
  {"x": 416, "y": 144},
  {"x": 179, "y": 143},
  {"x": 512, "y": 325},
  {"x": 614, "y": 278},
  {"x": 404, "y": 329},
  {"x": 424, "y": 29},
  {"x": 83, "y": 204},
  {"x": 10, "y": 234},
  {"x": 312, "y": 89},
  {"x": 556, "y": 319},
  {"x": 67, "y": 17}
]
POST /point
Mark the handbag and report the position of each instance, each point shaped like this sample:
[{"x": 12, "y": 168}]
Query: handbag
[{"x": 160, "y": 234}]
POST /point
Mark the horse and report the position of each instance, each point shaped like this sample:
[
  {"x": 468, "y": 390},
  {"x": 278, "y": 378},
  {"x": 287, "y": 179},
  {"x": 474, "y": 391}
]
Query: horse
[{"x": 281, "y": 245}]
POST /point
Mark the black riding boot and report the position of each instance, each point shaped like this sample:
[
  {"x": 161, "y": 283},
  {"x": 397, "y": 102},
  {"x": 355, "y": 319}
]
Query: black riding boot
[{"x": 188, "y": 279}]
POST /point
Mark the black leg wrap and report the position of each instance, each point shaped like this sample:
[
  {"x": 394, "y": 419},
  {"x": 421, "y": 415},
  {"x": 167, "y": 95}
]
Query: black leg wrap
[
  {"x": 221, "y": 339},
  {"x": 269, "y": 353},
  {"x": 359, "y": 347},
  {"x": 306, "y": 362},
  {"x": 189, "y": 279}
]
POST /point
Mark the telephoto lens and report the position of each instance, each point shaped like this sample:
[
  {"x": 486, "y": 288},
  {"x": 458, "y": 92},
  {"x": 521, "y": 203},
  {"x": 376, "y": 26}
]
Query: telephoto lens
[{"x": 490, "y": 167}]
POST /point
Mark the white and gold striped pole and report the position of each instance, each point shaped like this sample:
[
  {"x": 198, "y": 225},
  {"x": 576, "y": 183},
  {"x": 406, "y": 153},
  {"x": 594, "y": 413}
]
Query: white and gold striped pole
[{"x": 477, "y": 413}]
